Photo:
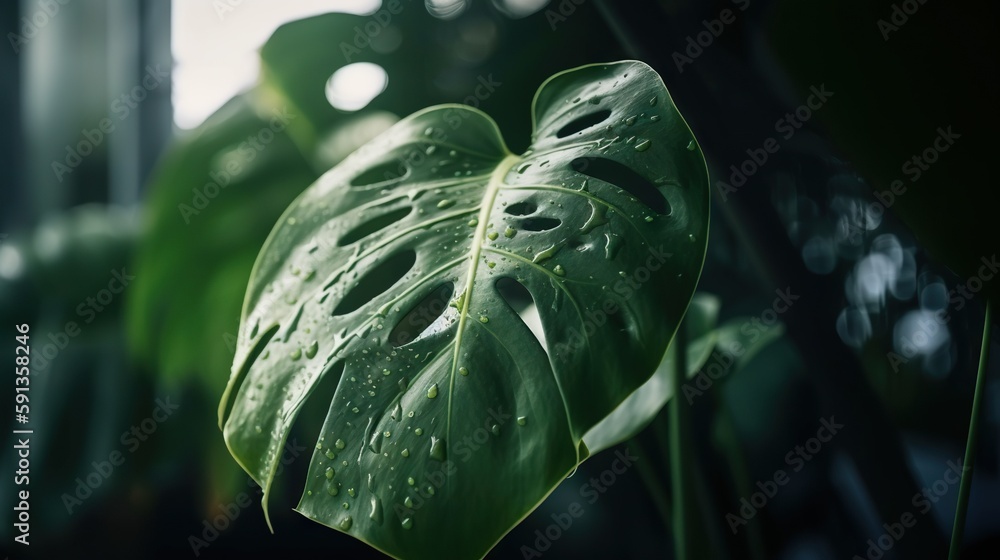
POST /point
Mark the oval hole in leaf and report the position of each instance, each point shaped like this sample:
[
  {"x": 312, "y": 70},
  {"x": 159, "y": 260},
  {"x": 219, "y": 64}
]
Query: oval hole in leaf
[
  {"x": 540, "y": 224},
  {"x": 237, "y": 383},
  {"x": 523, "y": 208},
  {"x": 583, "y": 123},
  {"x": 376, "y": 282},
  {"x": 381, "y": 173},
  {"x": 316, "y": 404},
  {"x": 423, "y": 316},
  {"x": 374, "y": 225},
  {"x": 520, "y": 300},
  {"x": 621, "y": 176}
]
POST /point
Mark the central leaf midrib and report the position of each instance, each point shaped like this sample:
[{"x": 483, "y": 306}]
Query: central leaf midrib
[{"x": 489, "y": 198}]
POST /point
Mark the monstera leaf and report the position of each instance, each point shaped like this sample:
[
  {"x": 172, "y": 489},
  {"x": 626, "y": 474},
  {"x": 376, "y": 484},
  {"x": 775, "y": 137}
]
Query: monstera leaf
[{"x": 398, "y": 292}]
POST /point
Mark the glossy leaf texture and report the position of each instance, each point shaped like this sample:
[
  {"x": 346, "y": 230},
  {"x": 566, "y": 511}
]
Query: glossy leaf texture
[{"x": 400, "y": 287}]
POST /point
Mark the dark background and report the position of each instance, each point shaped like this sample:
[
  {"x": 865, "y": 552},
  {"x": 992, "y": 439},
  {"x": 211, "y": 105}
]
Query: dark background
[{"x": 806, "y": 220}]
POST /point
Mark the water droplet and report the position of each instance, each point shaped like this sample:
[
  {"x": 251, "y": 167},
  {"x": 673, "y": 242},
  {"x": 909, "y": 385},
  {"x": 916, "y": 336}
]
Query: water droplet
[
  {"x": 643, "y": 145},
  {"x": 432, "y": 392},
  {"x": 376, "y": 514},
  {"x": 509, "y": 232},
  {"x": 345, "y": 523},
  {"x": 419, "y": 431},
  {"x": 411, "y": 482},
  {"x": 492, "y": 235},
  {"x": 405, "y": 453},
  {"x": 333, "y": 489},
  {"x": 495, "y": 429},
  {"x": 473, "y": 222},
  {"x": 397, "y": 412},
  {"x": 654, "y": 118},
  {"x": 463, "y": 370},
  {"x": 329, "y": 473},
  {"x": 595, "y": 100},
  {"x": 376, "y": 443},
  {"x": 652, "y": 102},
  {"x": 371, "y": 482},
  {"x": 430, "y": 150},
  {"x": 386, "y": 372},
  {"x": 407, "y": 523},
  {"x": 559, "y": 270},
  {"x": 547, "y": 253},
  {"x": 522, "y": 420},
  {"x": 446, "y": 203},
  {"x": 296, "y": 354},
  {"x": 257, "y": 428},
  {"x": 409, "y": 414},
  {"x": 430, "y": 490},
  {"x": 312, "y": 349},
  {"x": 612, "y": 244},
  {"x": 630, "y": 121},
  {"x": 351, "y": 492},
  {"x": 523, "y": 167},
  {"x": 648, "y": 219},
  {"x": 330, "y": 454},
  {"x": 692, "y": 238},
  {"x": 691, "y": 145},
  {"x": 597, "y": 218},
  {"x": 387, "y": 434},
  {"x": 345, "y": 505},
  {"x": 437, "y": 449}
]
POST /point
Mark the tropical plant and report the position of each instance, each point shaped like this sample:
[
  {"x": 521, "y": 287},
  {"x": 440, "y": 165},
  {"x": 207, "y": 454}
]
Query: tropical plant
[{"x": 434, "y": 285}]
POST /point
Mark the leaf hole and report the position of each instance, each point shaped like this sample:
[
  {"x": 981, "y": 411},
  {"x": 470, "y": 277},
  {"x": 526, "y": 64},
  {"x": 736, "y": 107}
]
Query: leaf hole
[
  {"x": 425, "y": 318},
  {"x": 374, "y": 225},
  {"x": 582, "y": 123},
  {"x": 245, "y": 368},
  {"x": 623, "y": 177},
  {"x": 381, "y": 173},
  {"x": 521, "y": 302},
  {"x": 523, "y": 208},
  {"x": 540, "y": 224},
  {"x": 376, "y": 282}
]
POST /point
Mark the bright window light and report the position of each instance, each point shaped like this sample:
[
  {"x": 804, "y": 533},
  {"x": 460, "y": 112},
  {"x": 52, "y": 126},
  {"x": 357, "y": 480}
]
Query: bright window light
[
  {"x": 215, "y": 46},
  {"x": 352, "y": 87}
]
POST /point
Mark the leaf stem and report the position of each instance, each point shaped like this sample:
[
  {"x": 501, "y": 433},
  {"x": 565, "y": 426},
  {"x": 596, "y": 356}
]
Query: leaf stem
[
  {"x": 678, "y": 447},
  {"x": 973, "y": 439}
]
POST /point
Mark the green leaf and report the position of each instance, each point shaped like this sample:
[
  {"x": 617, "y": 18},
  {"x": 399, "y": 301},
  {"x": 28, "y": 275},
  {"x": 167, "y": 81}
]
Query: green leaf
[{"x": 601, "y": 226}]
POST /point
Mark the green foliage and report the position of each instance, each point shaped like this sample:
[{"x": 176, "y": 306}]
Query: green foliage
[{"x": 392, "y": 291}]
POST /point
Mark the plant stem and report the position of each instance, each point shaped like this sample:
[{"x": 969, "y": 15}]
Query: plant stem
[
  {"x": 679, "y": 449},
  {"x": 970, "y": 445},
  {"x": 648, "y": 473},
  {"x": 733, "y": 450}
]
